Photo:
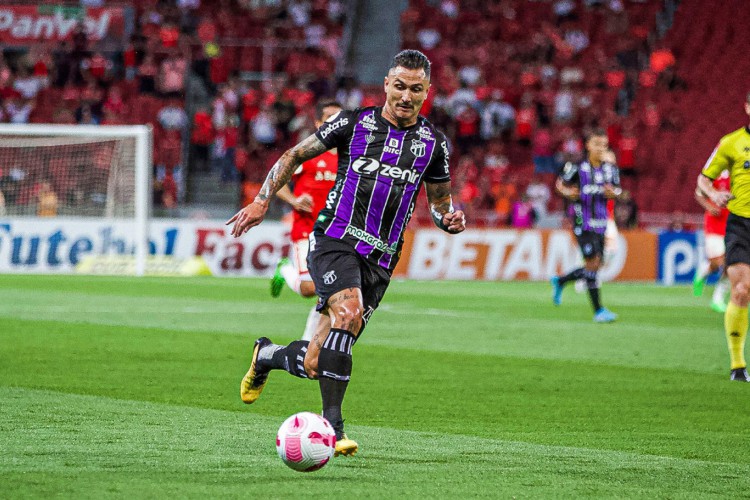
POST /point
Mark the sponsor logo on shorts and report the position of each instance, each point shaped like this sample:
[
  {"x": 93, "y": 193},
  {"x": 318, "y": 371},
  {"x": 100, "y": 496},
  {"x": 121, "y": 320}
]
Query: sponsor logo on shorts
[
  {"x": 371, "y": 240},
  {"x": 329, "y": 277}
]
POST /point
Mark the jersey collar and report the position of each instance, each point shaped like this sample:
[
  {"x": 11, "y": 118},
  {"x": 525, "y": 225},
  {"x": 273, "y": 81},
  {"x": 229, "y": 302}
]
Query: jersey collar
[{"x": 379, "y": 116}]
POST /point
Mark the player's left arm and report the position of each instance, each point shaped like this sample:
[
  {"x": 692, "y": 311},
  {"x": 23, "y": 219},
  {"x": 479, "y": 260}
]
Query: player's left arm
[{"x": 441, "y": 208}]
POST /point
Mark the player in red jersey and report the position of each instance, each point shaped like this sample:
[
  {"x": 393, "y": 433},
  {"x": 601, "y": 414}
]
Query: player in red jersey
[
  {"x": 714, "y": 229},
  {"x": 312, "y": 182}
]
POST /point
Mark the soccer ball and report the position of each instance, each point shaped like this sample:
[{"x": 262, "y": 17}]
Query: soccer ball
[{"x": 305, "y": 441}]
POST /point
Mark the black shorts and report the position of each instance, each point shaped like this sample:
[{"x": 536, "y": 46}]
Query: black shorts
[
  {"x": 335, "y": 265},
  {"x": 737, "y": 240},
  {"x": 591, "y": 243}
]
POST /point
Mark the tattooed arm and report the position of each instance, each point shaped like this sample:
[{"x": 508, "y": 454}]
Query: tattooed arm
[
  {"x": 278, "y": 176},
  {"x": 441, "y": 207}
]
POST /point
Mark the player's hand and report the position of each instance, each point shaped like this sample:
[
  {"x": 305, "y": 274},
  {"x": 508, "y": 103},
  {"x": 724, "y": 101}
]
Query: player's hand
[
  {"x": 715, "y": 211},
  {"x": 303, "y": 203},
  {"x": 572, "y": 193},
  {"x": 611, "y": 191},
  {"x": 455, "y": 222},
  {"x": 721, "y": 198},
  {"x": 248, "y": 217}
]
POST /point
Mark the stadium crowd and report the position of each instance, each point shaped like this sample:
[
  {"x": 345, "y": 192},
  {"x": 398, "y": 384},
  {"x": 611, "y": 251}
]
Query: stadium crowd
[{"x": 515, "y": 85}]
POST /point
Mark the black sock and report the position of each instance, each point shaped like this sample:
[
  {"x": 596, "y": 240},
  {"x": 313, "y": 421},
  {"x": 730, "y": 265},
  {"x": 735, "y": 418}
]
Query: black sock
[
  {"x": 290, "y": 358},
  {"x": 334, "y": 371},
  {"x": 592, "y": 283},
  {"x": 573, "y": 275}
]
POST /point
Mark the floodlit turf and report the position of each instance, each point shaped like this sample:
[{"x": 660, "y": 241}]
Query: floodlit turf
[{"x": 129, "y": 387}]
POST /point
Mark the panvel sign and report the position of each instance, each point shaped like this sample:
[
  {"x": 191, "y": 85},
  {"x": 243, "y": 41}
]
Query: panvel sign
[
  {"x": 56, "y": 245},
  {"x": 679, "y": 256},
  {"x": 507, "y": 254},
  {"x": 24, "y": 24}
]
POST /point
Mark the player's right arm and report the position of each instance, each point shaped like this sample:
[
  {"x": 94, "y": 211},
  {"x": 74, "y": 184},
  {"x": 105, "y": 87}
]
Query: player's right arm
[
  {"x": 567, "y": 182},
  {"x": 279, "y": 175},
  {"x": 716, "y": 164},
  {"x": 705, "y": 203}
]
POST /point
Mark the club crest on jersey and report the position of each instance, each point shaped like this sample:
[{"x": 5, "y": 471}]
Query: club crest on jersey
[
  {"x": 393, "y": 147},
  {"x": 329, "y": 277},
  {"x": 369, "y": 138},
  {"x": 418, "y": 148}
]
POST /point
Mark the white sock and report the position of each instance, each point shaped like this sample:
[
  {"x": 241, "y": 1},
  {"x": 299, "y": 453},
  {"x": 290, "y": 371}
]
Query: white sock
[
  {"x": 704, "y": 270},
  {"x": 720, "y": 290},
  {"x": 311, "y": 325},
  {"x": 291, "y": 276}
]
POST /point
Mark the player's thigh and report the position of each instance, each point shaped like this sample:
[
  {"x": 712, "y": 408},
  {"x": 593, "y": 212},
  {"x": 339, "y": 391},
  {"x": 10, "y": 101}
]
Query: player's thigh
[
  {"x": 334, "y": 267},
  {"x": 715, "y": 247},
  {"x": 592, "y": 249}
]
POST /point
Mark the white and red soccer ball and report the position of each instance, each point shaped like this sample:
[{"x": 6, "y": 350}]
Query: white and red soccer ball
[{"x": 306, "y": 441}]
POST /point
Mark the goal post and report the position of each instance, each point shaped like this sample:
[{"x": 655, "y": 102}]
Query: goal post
[{"x": 95, "y": 171}]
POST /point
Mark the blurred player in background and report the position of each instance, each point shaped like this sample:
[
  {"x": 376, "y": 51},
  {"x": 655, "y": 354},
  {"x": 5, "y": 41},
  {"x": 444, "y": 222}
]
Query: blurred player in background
[
  {"x": 386, "y": 154},
  {"x": 589, "y": 185},
  {"x": 733, "y": 154},
  {"x": 312, "y": 181},
  {"x": 714, "y": 230}
]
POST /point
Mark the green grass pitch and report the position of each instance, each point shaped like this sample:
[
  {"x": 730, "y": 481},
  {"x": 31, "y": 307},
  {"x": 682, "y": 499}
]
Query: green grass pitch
[{"x": 127, "y": 387}]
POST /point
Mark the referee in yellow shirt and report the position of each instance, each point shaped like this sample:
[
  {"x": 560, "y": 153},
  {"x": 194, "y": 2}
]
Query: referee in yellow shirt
[{"x": 733, "y": 154}]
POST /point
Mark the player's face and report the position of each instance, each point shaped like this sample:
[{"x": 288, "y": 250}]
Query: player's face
[
  {"x": 747, "y": 108},
  {"x": 405, "y": 91},
  {"x": 597, "y": 146},
  {"x": 328, "y": 112}
]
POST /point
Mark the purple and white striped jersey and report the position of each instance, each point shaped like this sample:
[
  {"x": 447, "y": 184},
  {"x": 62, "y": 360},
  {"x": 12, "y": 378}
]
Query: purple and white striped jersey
[
  {"x": 590, "y": 210},
  {"x": 380, "y": 172}
]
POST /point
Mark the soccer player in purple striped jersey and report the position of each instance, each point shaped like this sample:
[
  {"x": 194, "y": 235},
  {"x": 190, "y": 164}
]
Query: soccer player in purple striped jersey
[
  {"x": 386, "y": 154},
  {"x": 588, "y": 185}
]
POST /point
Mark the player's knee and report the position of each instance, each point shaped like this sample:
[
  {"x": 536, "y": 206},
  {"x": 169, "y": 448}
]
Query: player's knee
[
  {"x": 741, "y": 293},
  {"x": 348, "y": 316},
  {"x": 307, "y": 289}
]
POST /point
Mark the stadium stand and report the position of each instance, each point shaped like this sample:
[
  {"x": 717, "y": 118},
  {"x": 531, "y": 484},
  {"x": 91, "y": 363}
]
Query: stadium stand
[{"x": 227, "y": 85}]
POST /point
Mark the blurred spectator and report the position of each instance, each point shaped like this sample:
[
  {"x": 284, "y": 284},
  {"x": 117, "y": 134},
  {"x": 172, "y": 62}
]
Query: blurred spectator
[
  {"x": 26, "y": 84},
  {"x": 661, "y": 58},
  {"x": 626, "y": 148},
  {"x": 348, "y": 94},
  {"x": 542, "y": 152},
  {"x": 84, "y": 116},
  {"x": 172, "y": 75},
  {"x": 498, "y": 117},
  {"x": 522, "y": 214},
  {"x": 504, "y": 191},
  {"x": 17, "y": 110},
  {"x": 538, "y": 194},
  {"x": 46, "y": 200},
  {"x": 172, "y": 116},
  {"x": 147, "y": 72},
  {"x": 626, "y": 212},
  {"x": 201, "y": 139},
  {"x": 496, "y": 163}
]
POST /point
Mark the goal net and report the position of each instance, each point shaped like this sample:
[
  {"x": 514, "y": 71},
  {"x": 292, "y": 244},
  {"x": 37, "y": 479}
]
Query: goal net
[{"x": 78, "y": 171}]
